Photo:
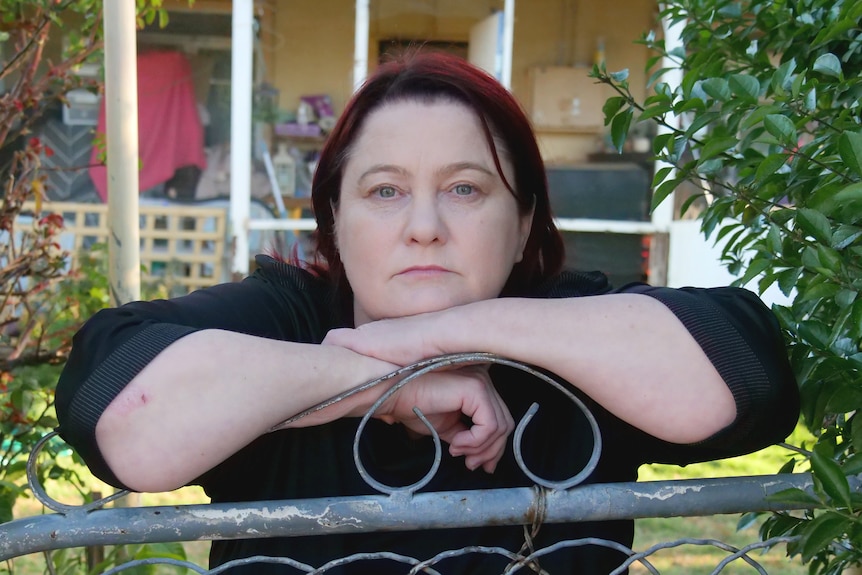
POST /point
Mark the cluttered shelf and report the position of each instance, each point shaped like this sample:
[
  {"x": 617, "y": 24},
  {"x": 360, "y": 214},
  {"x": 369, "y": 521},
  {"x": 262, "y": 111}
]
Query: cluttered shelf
[{"x": 297, "y": 141}]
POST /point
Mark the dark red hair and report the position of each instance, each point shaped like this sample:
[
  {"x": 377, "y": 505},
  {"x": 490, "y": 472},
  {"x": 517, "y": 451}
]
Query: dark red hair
[{"x": 429, "y": 77}]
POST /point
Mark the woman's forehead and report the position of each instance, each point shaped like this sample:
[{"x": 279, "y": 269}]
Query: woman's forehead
[{"x": 410, "y": 131}]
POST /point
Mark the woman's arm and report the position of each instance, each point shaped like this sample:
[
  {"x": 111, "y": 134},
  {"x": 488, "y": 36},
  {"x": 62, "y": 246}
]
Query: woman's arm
[
  {"x": 212, "y": 392},
  {"x": 156, "y": 393},
  {"x": 679, "y": 365}
]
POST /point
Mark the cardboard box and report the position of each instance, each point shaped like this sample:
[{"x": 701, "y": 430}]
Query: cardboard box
[{"x": 565, "y": 98}]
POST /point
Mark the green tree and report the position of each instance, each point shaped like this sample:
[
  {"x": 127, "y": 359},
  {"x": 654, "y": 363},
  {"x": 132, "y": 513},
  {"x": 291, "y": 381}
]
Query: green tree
[{"x": 765, "y": 125}]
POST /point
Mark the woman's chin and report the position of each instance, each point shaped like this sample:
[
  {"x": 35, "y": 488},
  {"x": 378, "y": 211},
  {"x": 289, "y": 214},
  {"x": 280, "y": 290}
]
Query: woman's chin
[{"x": 420, "y": 305}]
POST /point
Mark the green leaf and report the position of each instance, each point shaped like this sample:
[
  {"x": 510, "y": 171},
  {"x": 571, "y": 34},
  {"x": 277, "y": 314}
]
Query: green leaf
[
  {"x": 831, "y": 477},
  {"x": 653, "y": 111},
  {"x": 727, "y": 229},
  {"x": 773, "y": 238},
  {"x": 611, "y": 107},
  {"x": 620, "y": 76},
  {"x": 755, "y": 268},
  {"x": 689, "y": 105},
  {"x": 757, "y": 116},
  {"x": 620, "y": 128},
  {"x": 794, "y": 496},
  {"x": 661, "y": 175},
  {"x": 815, "y": 224},
  {"x": 845, "y": 298},
  {"x": 829, "y": 258},
  {"x": 810, "y": 101},
  {"x": 850, "y": 22},
  {"x": 716, "y": 146},
  {"x": 788, "y": 279},
  {"x": 814, "y": 333},
  {"x": 663, "y": 191},
  {"x": 828, "y": 64},
  {"x": 848, "y": 194},
  {"x": 848, "y": 399},
  {"x": 782, "y": 128},
  {"x": 769, "y": 166},
  {"x": 821, "y": 532},
  {"x": 718, "y": 88},
  {"x": 748, "y": 520},
  {"x": 844, "y": 236},
  {"x": 688, "y": 203},
  {"x": 781, "y": 78},
  {"x": 660, "y": 141},
  {"x": 850, "y": 149},
  {"x": 819, "y": 292},
  {"x": 167, "y": 550},
  {"x": 744, "y": 86},
  {"x": 700, "y": 122},
  {"x": 853, "y": 464}
]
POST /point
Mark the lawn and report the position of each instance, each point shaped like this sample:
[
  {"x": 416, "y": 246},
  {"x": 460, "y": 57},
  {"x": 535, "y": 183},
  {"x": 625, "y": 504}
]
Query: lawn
[
  {"x": 683, "y": 560},
  {"x": 702, "y": 560}
]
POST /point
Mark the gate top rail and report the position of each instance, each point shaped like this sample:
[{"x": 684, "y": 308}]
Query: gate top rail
[{"x": 290, "y": 518}]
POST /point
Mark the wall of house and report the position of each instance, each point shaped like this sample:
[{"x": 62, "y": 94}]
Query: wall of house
[{"x": 308, "y": 45}]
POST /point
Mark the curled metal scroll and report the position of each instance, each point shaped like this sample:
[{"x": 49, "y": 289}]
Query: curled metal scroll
[
  {"x": 423, "y": 367},
  {"x": 47, "y": 500}
]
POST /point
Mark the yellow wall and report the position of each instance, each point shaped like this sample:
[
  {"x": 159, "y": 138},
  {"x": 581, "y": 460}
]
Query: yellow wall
[
  {"x": 309, "y": 49},
  {"x": 309, "y": 44}
]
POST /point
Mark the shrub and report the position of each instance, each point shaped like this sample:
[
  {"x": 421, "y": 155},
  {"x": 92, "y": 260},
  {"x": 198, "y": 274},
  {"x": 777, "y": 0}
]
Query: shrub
[{"x": 765, "y": 125}]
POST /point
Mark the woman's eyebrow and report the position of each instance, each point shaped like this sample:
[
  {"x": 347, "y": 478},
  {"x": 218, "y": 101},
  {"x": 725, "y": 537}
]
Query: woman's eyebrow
[
  {"x": 382, "y": 168},
  {"x": 462, "y": 166}
]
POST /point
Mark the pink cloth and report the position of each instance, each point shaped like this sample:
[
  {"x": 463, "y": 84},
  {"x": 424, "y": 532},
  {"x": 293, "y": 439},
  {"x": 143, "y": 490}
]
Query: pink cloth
[{"x": 170, "y": 134}]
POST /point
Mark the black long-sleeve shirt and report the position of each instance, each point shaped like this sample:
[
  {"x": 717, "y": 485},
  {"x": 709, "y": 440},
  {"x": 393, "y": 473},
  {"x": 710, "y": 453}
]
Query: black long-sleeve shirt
[{"x": 738, "y": 333}]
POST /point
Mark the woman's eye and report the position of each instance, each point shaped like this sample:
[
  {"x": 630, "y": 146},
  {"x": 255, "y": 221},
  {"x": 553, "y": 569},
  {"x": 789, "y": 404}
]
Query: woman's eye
[
  {"x": 385, "y": 192},
  {"x": 463, "y": 189}
]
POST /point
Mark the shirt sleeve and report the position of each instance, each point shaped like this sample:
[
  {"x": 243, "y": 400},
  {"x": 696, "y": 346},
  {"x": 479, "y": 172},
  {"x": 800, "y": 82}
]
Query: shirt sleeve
[
  {"x": 743, "y": 341},
  {"x": 278, "y": 302}
]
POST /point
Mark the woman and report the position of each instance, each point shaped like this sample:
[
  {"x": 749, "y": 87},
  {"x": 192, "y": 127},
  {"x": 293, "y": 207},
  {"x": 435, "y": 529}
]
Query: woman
[{"x": 435, "y": 236}]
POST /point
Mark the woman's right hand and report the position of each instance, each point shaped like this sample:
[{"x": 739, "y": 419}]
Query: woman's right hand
[{"x": 462, "y": 406}]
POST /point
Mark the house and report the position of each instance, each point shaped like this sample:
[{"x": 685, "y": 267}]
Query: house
[{"x": 308, "y": 48}]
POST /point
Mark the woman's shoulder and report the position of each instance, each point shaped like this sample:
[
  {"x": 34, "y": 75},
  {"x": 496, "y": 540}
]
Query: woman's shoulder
[
  {"x": 573, "y": 283},
  {"x": 288, "y": 274},
  {"x": 301, "y": 287}
]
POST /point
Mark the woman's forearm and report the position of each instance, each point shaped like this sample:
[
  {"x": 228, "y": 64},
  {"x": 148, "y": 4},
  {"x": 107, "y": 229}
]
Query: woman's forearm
[
  {"x": 626, "y": 351},
  {"x": 212, "y": 392}
]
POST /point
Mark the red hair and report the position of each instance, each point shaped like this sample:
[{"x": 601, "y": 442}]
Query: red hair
[{"x": 429, "y": 77}]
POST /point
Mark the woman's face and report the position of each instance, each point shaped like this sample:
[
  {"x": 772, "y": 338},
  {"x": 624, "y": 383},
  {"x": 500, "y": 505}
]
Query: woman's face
[{"x": 424, "y": 221}]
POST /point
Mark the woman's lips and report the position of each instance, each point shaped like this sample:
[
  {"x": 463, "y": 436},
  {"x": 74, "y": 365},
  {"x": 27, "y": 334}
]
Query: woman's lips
[{"x": 423, "y": 270}]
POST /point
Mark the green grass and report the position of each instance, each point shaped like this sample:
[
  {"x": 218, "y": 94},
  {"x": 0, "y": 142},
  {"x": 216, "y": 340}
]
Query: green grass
[
  {"x": 702, "y": 560},
  {"x": 685, "y": 560}
]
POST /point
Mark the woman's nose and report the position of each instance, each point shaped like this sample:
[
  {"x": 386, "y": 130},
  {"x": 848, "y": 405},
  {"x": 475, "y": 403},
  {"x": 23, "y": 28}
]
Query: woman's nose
[{"x": 424, "y": 223}]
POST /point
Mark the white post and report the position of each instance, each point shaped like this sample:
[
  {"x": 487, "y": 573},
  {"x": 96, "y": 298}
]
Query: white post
[
  {"x": 662, "y": 216},
  {"x": 360, "y": 44},
  {"x": 242, "y": 62},
  {"x": 121, "y": 109},
  {"x": 508, "y": 42}
]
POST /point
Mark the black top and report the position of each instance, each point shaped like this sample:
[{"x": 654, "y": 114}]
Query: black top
[{"x": 738, "y": 333}]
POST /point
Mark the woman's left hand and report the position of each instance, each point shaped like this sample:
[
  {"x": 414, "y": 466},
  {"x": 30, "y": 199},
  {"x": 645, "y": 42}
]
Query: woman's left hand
[{"x": 401, "y": 341}]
